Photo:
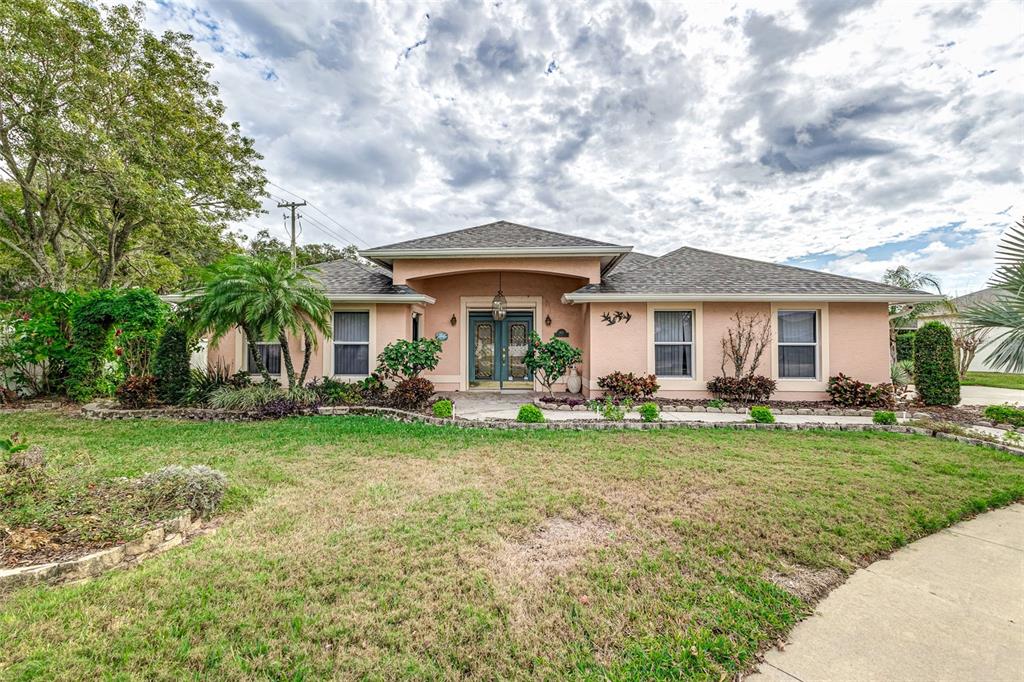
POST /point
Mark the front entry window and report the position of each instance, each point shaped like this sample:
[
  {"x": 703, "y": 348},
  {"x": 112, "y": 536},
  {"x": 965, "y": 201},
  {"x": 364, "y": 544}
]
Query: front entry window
[{"x": 270, "y": 354}]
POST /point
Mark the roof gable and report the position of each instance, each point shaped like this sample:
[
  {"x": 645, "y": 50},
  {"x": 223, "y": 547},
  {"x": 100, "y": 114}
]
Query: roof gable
[{"x": 500, "y": 234}]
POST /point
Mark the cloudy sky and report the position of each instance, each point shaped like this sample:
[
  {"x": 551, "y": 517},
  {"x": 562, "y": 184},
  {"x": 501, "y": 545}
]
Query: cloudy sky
[{"x": 841, "y": 135}]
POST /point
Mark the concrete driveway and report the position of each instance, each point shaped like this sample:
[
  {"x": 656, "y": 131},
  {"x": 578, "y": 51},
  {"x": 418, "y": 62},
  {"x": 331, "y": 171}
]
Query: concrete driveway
[
  {"x": 985, "y": 395},
  {"x": 947, "y": 607}
]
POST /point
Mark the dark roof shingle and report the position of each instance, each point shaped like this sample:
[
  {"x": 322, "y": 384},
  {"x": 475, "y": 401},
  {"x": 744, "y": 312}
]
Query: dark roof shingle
[
  {"x": 692, "y": 271},
  {"x": 341, "y": 277},
  {"x": 501, "y": 234}
]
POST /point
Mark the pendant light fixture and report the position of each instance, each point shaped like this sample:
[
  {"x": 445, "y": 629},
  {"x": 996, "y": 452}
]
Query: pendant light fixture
[{"x": 499, "y": 306}]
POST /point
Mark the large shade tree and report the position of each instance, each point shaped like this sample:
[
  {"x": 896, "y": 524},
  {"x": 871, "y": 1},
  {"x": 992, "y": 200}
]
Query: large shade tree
[
  {"x": 1005, "y": 314},
  {"x": 114, "y": 139},
  {"x": 267, "y": 299}
]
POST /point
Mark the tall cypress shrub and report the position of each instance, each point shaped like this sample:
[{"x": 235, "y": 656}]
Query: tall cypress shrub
[
  {"x": 935, "y": 375},
  {"x": 905, "y": 346},
  {"x": 171, "y": 365}
]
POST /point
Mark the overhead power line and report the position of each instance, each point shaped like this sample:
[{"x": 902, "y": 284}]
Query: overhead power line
[{"x": 323, "y": 213}]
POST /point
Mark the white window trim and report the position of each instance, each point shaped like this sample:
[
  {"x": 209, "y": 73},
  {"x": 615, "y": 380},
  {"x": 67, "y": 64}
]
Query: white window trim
[
  {"x": 821, "y": 359},
  {"x": 371, "y": 343},
  {"x": 676, "y": 383}
]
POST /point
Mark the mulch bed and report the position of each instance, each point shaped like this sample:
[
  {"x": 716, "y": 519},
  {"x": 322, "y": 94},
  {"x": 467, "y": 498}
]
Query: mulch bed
[{"x": 702, "y": 402}]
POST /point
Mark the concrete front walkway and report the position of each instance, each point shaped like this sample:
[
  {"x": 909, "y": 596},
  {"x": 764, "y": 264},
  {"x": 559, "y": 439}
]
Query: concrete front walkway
[
  {"x": 947, "y": 607},
  {"x": 493, "y": 405}
]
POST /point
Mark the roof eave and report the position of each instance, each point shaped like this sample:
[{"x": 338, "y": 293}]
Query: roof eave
[
  {"x": 386, "y": 256},
  {"x": 575, "y": 297},
  {"x": 382, "y": 298}
]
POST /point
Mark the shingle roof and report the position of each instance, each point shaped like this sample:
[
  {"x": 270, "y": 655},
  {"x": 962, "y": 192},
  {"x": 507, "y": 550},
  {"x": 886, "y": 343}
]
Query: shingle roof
[
  {"x": 633, "y": 260},
  {"x": 346, "y": 277},
  {"x": 501, "y": 234},
  {"x": 961, "y": 303},
  {"x": 689, "y": 271}
]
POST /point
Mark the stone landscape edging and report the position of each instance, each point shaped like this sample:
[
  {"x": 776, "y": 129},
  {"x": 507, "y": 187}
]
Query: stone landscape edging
[
  {"x": 700, "y": 409},
  {"x": 94, "y": 411},
  {"x": 167, "y": 535}
]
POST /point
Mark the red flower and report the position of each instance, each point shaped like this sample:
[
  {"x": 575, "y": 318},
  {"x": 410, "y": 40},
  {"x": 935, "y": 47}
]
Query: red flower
[
  {"x": 118, "y": 332},
  {"x": 118, "y": 351},
  {"x": 25, "y": 317}
]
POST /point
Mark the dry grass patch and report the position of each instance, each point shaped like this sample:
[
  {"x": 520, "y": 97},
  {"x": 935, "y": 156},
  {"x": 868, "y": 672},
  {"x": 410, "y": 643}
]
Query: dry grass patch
[{"x": 808, "y": 584}]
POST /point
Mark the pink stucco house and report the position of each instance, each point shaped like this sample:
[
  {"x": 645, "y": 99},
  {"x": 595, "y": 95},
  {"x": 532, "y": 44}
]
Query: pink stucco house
[{"x": 627, "y": 311}]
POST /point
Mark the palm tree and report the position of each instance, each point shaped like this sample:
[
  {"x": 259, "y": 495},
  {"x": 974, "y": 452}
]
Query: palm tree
[
  {"x": 901, "y": 317},
  {"x": 266, "y": 298},
  {"x": 1006, "y": 311}
]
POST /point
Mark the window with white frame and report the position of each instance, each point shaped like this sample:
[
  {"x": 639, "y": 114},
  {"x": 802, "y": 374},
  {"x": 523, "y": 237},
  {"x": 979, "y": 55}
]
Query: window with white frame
[
  {"x": 270, "y": 354},
  {"x": 673, "y": 343},
  {"x": 352, "y": 343},
  {"x": 798, "y": 344}
]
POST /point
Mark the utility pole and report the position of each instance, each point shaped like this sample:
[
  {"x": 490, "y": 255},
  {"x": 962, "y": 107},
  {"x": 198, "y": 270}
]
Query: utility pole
[{"x": 292, "y": 205}]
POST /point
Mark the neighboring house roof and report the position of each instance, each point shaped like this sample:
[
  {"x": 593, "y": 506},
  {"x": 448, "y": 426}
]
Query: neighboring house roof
[
  {"x": 496, "y": 240},
  {"x": 351, "y": 281},
  {"x": 632, "y": 260},
  {"x": 961, "y": 302},
  {"x": 693, "y": 274}
]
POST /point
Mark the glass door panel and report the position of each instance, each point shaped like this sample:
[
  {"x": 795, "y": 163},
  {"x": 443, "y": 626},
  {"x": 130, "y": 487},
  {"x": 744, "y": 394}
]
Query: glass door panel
[
  {"x": 484, "y": 361},
  {"x": 518, "y": 336}
]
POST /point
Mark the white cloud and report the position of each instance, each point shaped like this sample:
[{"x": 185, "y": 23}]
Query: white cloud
[{"x": 769, "y": 131}]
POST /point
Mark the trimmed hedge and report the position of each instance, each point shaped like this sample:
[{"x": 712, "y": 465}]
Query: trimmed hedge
[
  {"x": 905, "y": 346},
  {"x": 935, "y": 374}
]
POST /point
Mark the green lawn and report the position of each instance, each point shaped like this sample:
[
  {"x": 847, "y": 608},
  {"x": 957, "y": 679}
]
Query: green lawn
[
  {"x": 994, "y": 380},
  {"x": 353, "y": 547}
]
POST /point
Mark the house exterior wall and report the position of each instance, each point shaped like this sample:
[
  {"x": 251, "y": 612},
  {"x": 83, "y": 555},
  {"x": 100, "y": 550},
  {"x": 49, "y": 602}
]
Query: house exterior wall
[
  {"x": 853, "y": 339},
  {"x": 458, "y": 294}
]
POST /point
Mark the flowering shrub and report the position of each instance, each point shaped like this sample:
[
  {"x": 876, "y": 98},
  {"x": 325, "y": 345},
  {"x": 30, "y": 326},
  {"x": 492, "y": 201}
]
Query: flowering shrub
[{"x": 628, "y": 385}]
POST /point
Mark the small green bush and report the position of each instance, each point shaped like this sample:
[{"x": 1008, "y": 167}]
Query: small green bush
[
  {"x": 716, "y": 403},
  {"x": 649, "y": 412},
  {"x": 884, "y": 417},
  {"x": 762, "y": 414},
  {"x": 610, "y": 410},
  {"x": 1005, "y": 414},
  {"x": 530, "y": 414},
  {"x": 334, "y": 392},
  {"x": 935, "y": 374},
  {"x": 197, "y": 488},
  {"x": 905, "y": 346},
  {"x": 443, "y": 409}
]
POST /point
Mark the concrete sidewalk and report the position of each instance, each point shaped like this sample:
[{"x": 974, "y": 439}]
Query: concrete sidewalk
[
  {"x": 947, "y": 607},
  {"x": 987, "y": 395}
]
